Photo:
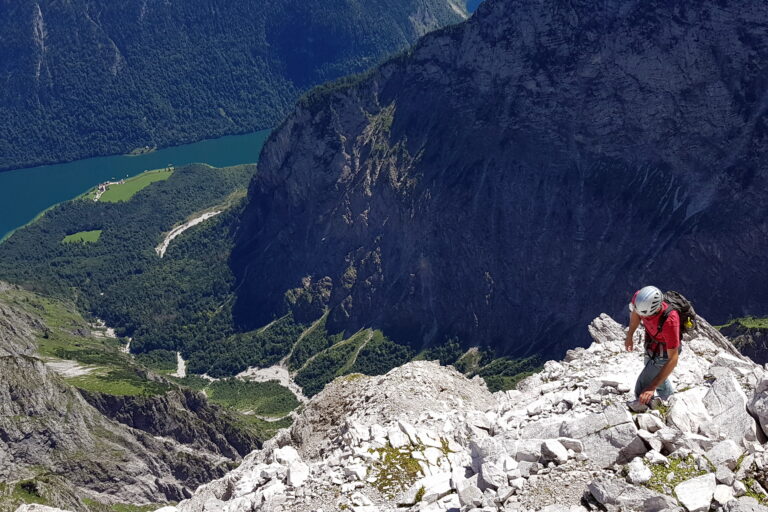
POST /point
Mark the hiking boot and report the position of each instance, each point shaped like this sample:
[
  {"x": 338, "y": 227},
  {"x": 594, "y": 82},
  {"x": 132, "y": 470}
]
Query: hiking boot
[{"x": 656, "y": 403}]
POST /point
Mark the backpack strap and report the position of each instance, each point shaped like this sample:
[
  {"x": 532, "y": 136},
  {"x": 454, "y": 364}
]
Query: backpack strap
[{"x": 663, "y": 319}]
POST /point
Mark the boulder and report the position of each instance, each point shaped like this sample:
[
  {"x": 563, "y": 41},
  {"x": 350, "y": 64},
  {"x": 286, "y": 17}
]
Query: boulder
[
  {"x": 470, "y": 496},
  {"x": 696, "y": 494},
  {"x": 571, "y": 444},
  {"x": 725, "y": 454},
  {"x": 723, "y": 494},
  {"x": 687, "y": 410},
  {"x": 649, "y": 422},
  {"x": 608, "y": 437},
  {"x": 298, "y": 472},
  {"x": 613, "y": 493},
  {"x": 725, "y": 476},
  {"x": 492, "y": 475},
  {"x": 435, "y": 487},
  {"x": 726, "y": 403},
  {"x": 655, "y": 457},
  {"x": 552, "y": 450},
  {"x": 487, "y": 449},
  {"x": 285, "y": 455},
  {"x": 398, "y": 439},
  {"x": 758, "y": 406},
  {"x": 638, "y": 472},
  {"x": 744, "y": 504},
  {"x": 726, "y": 360}
]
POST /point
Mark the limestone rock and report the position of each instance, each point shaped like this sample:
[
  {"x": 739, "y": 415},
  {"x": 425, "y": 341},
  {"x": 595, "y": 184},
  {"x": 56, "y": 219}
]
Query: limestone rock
[
  {"x": 638, "y": 472},
  {"x": 552, "y": 450},
  {"x": 696, "y": 494},
  {"x": 725, "y": 454},
  {"x": 608, "y": 437},
  {"x": 726, "y": 403},
  {"x": 618, "y": 493}
]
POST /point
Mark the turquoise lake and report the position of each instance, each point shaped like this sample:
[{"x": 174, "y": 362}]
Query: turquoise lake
[{"x": 26, "y": 192}]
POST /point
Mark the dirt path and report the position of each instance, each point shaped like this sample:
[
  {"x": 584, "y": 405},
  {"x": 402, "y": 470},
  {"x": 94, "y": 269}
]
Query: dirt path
[
  {"x": 284, "y": 361},
  {"x": 160, "y": 249},
  {"x": 353, "y": 359},
  {"x": 181, "y": 367}
]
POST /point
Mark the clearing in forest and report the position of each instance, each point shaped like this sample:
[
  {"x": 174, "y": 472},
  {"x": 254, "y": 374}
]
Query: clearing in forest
[
  {"x": 82, "y": 236},
  {"x": 127, "y": 189}
]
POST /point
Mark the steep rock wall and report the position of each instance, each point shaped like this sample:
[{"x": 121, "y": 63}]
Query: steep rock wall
[{"x": 515, "y": 174}]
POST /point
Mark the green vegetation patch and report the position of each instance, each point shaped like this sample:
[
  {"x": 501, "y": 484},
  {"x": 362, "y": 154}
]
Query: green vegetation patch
[
  {"x": 259, "y": 348},
  {"x": 329, "y": 364},
  {"x": 95, "y": 506},
  {"x": 312, "y": 342},
  {"x": 163, "y": 361},
  {"x": 262, "y": 428},
  {"x": 750, "y": 322},
  {"x": 665, "y": 478},
  {"x": 180, "y": 302},
  {"x": 191, "y": 381},
  {"x": 395, "y": 471},
  {"x": 503, "y": 373},
  {"x": 126, "y": 190},
  {"x": 83, "y": 237},
  {"x": 119, "y": 382},
  {"x": 261, "y": 398},
  {"x": 28, "y": 492},
  {"x": 380, "y": 355}
]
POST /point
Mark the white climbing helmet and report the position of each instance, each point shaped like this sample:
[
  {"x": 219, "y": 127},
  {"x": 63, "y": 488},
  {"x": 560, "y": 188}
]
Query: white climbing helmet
[{"x": 647, "y": 301}]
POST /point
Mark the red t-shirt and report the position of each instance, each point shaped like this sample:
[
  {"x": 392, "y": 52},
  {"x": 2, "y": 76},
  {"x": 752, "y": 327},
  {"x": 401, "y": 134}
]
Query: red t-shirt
[{"x": 670, "y": 331}]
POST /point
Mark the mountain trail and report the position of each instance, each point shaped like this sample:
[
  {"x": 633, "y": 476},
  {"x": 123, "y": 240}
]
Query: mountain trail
[{"x": 160, "y": 249}]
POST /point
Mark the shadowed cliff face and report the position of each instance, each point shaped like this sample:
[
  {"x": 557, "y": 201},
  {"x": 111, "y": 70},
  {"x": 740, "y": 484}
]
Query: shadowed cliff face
[{"x": 516, "y": 174}]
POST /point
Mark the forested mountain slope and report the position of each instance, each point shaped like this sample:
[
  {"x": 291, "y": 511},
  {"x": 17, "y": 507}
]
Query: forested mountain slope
[
  {"x": 91, "y": 77},
  {"x": 512, "y": 176}
]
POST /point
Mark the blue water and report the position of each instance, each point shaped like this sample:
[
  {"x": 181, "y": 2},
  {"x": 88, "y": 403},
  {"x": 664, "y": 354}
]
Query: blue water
[{"x": 26, "y": 192}]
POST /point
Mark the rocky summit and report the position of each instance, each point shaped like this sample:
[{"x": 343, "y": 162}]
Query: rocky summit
[{"x": 425, "y": 438}]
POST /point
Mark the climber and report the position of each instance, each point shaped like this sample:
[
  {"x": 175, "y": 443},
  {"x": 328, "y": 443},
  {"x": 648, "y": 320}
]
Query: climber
[{"x": 661, "y": 344}]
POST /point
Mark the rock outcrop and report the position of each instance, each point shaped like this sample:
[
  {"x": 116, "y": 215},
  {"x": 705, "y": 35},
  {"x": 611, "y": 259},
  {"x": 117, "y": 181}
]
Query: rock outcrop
[
  {"x": 751, "y": 341},
  {"x": 505, "y": 173},
  {"x": 64, "y": 450},
  {"x": 425, "y": 438}
]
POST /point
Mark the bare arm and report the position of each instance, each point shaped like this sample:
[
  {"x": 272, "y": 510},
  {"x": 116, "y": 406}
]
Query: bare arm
[
  {"x": 665, "y": 372},
  {"x": 634, "y": 323}
]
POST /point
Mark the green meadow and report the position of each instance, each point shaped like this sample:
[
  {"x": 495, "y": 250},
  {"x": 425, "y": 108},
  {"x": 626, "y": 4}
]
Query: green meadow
[{"x": 126, "y": 190}]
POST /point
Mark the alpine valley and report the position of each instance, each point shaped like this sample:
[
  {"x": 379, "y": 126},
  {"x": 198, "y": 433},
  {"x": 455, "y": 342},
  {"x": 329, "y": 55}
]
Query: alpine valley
[
  {"x": 94, "y": 77},
  {"x": 409, "y": 302}
]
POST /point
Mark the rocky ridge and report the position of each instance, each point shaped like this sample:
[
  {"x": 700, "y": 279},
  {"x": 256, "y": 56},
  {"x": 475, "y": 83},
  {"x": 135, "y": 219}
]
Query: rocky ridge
[
  {"x": 425, "y": 438},
  {"x": 751, "y": 341},
  {"x": 66, "y": 451}
]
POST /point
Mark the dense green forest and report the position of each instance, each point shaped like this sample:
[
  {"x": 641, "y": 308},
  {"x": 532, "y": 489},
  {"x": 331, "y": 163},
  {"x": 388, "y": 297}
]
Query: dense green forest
[
  {"x": 182, "y": 302},
  {"x": 90, "y": 77}
]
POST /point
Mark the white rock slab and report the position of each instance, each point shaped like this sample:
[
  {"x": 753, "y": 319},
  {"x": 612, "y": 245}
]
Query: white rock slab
[{"x": 696, "y": 494}]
